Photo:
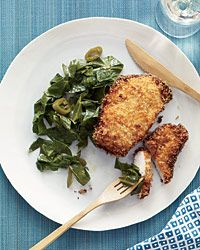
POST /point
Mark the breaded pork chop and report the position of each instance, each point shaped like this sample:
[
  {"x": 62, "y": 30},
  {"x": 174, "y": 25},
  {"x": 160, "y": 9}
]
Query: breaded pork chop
[
  {"x": 142, "y": 159},
  {"x": 164, "y": 144},
  {"x": 128, "y": 111}
]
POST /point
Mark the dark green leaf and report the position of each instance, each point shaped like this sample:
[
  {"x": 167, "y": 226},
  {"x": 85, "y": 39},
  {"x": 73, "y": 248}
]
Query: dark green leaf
[
  {"x": 77, "y": 112},
  {"x": 69, "y": 178},
  {"x": 110, "y": 70},
  {"x": 39, "y": 111},
  {"x": 48, "y": 146},
  {"x": 61, "y": 120},
  {"x": 80, "y": 172},
  {"x": 89, "y": 71},
  {"x": 130, "y": 172},
  {"x": 104, "y": 75},
  {"x": 39, "y": 127},
  {"x": 53, "y": 154},
  {"x": 128, "y": 179},
  {"x": 99, "y": 93},
  {"x": 90, "y": 113},
  {"x": 138, "y": 188},
  {"x": 58, "y": 88},
  {"x": 77, "y": 88},
  {"x": 74, "y": 66},
  {"x": 49, "y": 116},
  {"x": 65, "y": 70},
  {"x": 125, "y": 166},
  {"x": 121, "y": 165},
  {"x": 60, "y": 147},
  {"x": 89, "y": 103},
  {"x": 45, "y": 162},
  {"x": 61, "y": 134},
  {"x": 98, "y": 63},
  {"x": 57, "y": 78},
  {"x": 113, "y": 63},
  {"x": 82, "y": 138},
  {"x": 36, "y": 144},
  {"x": 89, "y": 81}
]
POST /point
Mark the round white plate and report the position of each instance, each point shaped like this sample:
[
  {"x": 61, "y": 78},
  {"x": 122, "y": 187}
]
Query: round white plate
[{"x": 29, "y": 75}]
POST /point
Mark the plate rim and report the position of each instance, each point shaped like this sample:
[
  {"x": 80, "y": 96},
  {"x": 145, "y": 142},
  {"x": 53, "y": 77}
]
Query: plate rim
[{"x": 17, "y": 187}]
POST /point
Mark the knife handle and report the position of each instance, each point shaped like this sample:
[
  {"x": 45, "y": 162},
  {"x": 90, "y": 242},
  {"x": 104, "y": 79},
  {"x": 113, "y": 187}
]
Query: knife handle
[
  {"x": 187, "y": 89},
  {"x": 176, "y": 82}
]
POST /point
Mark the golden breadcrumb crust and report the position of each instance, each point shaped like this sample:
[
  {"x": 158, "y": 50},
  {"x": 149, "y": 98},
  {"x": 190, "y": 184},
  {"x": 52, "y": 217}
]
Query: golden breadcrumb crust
[
  {"x": 164, "y": 144},
  {"x": 128, "y": 111}
]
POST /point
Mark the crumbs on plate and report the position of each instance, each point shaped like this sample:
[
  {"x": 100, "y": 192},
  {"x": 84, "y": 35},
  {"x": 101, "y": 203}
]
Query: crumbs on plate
[{"x": 159, "y": 120}]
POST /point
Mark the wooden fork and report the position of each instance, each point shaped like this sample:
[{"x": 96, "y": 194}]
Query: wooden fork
[{"x": 115, "y": 191}]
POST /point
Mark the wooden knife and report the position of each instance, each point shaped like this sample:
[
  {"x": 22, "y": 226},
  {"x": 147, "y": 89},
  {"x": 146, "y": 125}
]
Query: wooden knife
[{"x": 152, "y": 66}]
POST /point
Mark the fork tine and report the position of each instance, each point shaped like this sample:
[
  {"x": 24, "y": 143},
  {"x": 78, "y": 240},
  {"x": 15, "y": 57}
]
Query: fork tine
[
  {"x": 124, "y": 190},
  {"x": 128, "y": 188},
  {"x": 116, "y": 191},
  {"x": 117, "y": 184},
  {"x": 122, "y": 186}
]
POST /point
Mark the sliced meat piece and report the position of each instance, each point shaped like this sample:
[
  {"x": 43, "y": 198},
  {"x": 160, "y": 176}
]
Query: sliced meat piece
[
  {"x": 128, "y": 111},
  {"x": 164, "y": 144},
  {"x": 142, "y": 159}
]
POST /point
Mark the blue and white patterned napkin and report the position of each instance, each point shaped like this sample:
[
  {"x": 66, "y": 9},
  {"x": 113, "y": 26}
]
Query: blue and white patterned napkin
[{"x": 182, "y": 232}]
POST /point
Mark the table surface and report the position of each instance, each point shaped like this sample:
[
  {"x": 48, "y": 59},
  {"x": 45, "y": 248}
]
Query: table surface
[{"x": 21, "y": 21}]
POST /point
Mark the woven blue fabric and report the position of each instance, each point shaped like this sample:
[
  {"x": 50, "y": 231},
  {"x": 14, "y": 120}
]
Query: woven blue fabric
[
  {"x": 182, "y": 232},
  {"x": 21, "y": 21}
]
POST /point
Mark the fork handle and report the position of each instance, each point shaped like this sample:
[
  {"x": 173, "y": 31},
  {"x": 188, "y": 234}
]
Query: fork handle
[{"x": 59, "y": 231}]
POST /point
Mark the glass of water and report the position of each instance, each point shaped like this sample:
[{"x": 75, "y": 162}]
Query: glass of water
[{"x": 178, "y": 18}]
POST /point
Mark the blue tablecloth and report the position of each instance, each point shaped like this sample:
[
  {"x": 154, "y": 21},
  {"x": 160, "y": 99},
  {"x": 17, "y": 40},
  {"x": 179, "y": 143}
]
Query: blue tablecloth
[{"x": 21, "y": 21}]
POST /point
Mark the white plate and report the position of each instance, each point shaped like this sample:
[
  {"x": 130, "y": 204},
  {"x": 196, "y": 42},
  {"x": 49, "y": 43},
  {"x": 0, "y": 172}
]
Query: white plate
[{"x": 29, "y": 75}]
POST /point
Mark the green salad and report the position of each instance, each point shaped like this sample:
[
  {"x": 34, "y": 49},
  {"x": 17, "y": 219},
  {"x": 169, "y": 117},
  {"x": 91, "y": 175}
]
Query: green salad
[{"x": 68, "y": 111}]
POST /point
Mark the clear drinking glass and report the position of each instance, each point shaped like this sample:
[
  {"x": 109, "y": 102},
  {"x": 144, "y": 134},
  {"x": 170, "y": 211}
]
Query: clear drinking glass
[{"x": 178, "y": 18}]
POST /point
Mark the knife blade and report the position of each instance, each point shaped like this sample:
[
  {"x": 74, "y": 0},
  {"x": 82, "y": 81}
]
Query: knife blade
[{"x": 150, "y": 65}]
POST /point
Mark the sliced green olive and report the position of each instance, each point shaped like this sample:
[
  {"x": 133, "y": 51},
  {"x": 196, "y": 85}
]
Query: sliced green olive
[
  {"x": 61, "y": 106},
  {"x": 93, "y": 54}
]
